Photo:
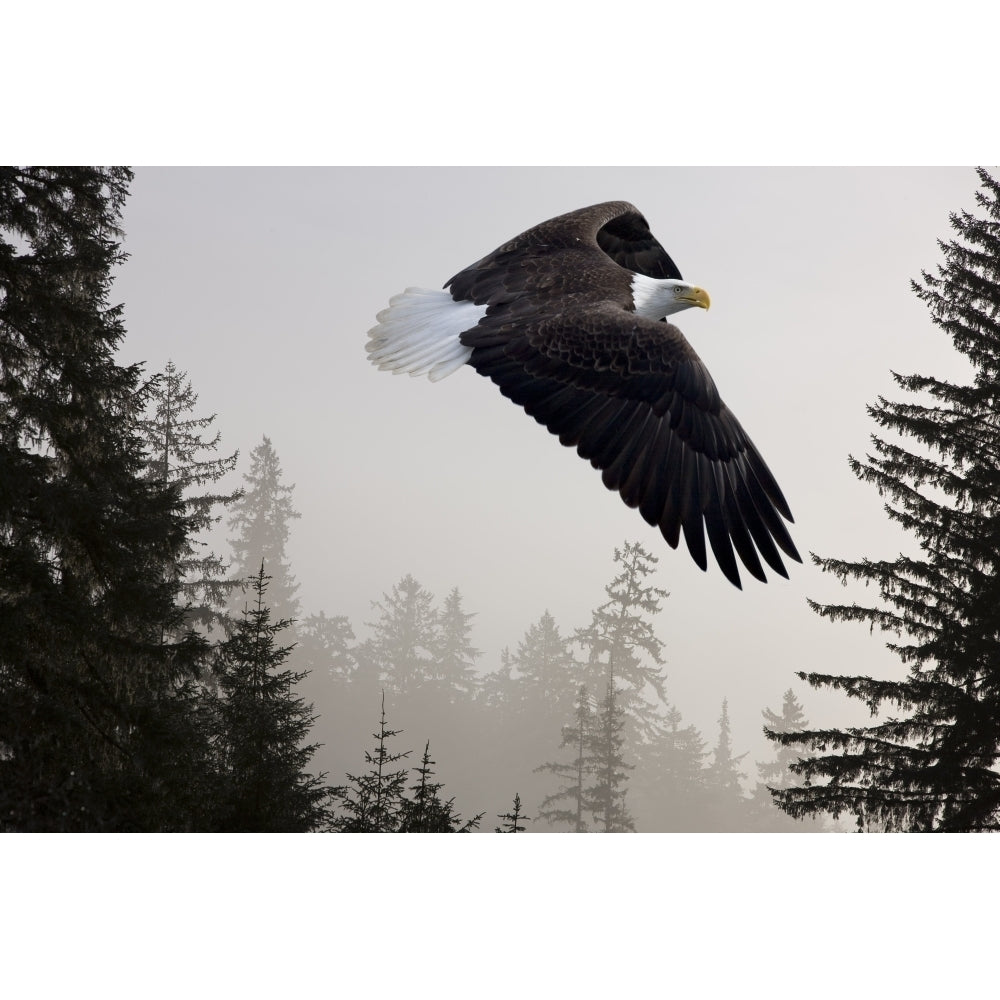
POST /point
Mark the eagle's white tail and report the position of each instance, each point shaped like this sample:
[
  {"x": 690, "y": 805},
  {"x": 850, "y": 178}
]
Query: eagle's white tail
[{"x": 419, "y": 333}]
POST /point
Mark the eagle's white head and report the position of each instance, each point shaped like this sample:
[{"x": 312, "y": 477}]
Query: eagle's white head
[{"x": 658, "y": 297}]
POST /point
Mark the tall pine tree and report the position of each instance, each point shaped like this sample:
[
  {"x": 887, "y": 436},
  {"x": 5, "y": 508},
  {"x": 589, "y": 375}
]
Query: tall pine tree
[
  {"x": 930, "y": 765},
  {"x": 100, "y": 728},
  {"x": 264, "y": 726},
  {"x": 179, "y": 453}
]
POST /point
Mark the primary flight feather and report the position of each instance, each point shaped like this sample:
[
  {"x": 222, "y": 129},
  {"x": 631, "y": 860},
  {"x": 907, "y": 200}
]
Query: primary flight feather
[{"x": 568, "y": 319}]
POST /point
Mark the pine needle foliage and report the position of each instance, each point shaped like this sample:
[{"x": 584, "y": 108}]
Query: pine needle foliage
[
  {"x": 179, "y": 452},
  {"x": 99, "y": 727},
  {"x": 264, "y": 726},
  {"x": 930, "y": 765}
]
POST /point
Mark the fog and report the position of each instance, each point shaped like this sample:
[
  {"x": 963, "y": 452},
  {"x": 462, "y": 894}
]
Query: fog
[{"x": 262, "y": 283}]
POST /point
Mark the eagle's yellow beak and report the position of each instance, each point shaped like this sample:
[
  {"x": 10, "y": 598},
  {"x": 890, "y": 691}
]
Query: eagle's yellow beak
[{"x": 696, "y": 297}]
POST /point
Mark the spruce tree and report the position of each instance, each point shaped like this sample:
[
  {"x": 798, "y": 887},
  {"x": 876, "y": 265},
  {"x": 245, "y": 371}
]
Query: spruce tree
[
  {"x": 100, "y": 726},
  {"x": 178, "y": 452},
  {"x": 512, "y": 820},
  {"x": 931, "y": 764},
  {"x": 425, "y": 811},
  {"x": 374, "y": 802},
  {"x": 260, "y": 525},
  {"x": 777, "y": 773},
  {"x": 263, "y": 727}
]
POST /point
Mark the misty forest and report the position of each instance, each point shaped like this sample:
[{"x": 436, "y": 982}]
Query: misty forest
[{"x": 153, "y": 678}]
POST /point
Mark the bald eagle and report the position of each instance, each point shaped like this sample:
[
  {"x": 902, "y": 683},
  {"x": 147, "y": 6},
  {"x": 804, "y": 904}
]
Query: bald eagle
[{"x": 569, "y": 320}]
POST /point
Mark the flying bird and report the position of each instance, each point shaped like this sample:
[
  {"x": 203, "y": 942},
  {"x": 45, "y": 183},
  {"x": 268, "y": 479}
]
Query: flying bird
[{"x": 569, "y": 320}]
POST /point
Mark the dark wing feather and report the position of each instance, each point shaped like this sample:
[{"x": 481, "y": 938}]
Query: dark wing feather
[
  {"x": 587, "y": 241},
  {"x": 633, "y": 397}
]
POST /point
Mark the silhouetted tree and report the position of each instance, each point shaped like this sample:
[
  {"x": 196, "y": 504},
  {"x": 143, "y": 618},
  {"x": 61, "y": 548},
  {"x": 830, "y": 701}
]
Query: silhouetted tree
[
  {"x": 264, "y": 725},
  {"x": 374, "y": 802},
  {"x": 178, "y": 453},
  {"x": 580, "y": 737},
  {"x": 777, "y": 773},
  {"x": 932, "y": 764},
  {"x": 512, "y": 820},
  {"x": 260, "y": 525},
  {"x": 426, "y": 812},
  {"x": 100, "y": 727}
]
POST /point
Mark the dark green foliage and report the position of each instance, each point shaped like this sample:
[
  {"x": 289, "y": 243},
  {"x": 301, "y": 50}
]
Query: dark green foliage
[
  {"x": 177, "y": 453},
  {"x": 260, "y": 522},
  {"x": 931, "y": 764},
  {"x": 99, "y": 724},
  {"x": 512, "y": 820},
  {"x": 264, "y": 725}
]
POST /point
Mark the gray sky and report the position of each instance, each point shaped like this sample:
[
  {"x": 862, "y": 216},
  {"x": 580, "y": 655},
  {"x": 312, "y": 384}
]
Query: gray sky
[{"x": 262, "y": 283}]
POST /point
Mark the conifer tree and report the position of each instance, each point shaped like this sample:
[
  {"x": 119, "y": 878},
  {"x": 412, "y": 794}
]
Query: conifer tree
[
  {"x": 426, "y": 812},
  {"x": 100, "y": 728},
  {"x": 326, "y": 648},
  {"x": 579, "y": 737},
  {"x": 724, "y": 779},
  {"x": 374, "y": 802},
  {"x": 260, "y": 523},
  {"x": 620, "y": 642},
  {"x": 547, "y": 673},
  {"x": 512, "y": 820},
  {"x": 496, "y": 690},
  {"x": 404, "y": 638},
  {"x": 606, "y": 795},
  {"x": 930, "y": 765},
  {"x": 177, "y": 452},
  {"x": 453, "y": 663},
  {"x": 669, "y": 788},
  {"x": 777, "y": 773},
  {"x": 264, "y": 725}
]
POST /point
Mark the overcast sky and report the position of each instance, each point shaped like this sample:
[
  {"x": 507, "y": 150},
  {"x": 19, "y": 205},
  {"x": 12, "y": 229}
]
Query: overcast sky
[{"x": 262, "y": 284}]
